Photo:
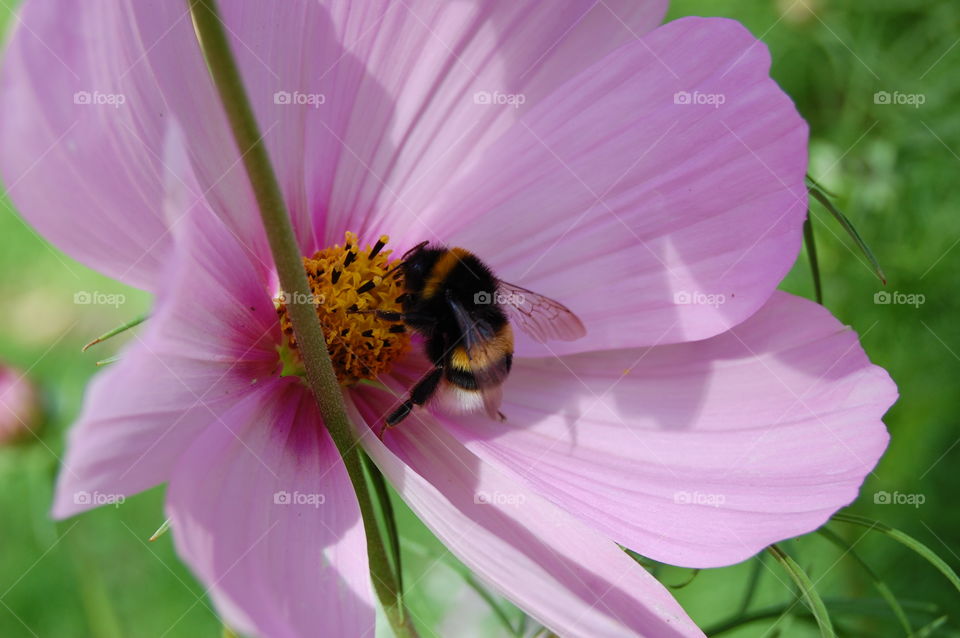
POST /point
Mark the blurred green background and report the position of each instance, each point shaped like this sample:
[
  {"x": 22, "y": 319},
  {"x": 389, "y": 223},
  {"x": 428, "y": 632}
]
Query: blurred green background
[{"x": 894, "y": 169}]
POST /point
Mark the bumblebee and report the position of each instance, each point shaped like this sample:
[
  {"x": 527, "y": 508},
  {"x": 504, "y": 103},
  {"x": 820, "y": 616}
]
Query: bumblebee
[{"x": 464, "y": 314}]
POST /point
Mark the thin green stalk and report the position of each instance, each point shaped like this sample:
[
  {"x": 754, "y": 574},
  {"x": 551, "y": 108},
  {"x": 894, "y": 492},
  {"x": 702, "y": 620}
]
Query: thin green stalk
[
  {"x": 320, "y": 375},
  {"x": 811, "y": 242},
  {"x": 112, "y": 333},
  {"x": 878, "y": 582},
  {"x": 807, "y": 590},
  {"x": 752, "y": 584},
  {"x": 906, "y": 540},
  {"x": 851, "y": 230},
  {"x": 389, "y": 518},
  {"x": 492, "y": 602}
]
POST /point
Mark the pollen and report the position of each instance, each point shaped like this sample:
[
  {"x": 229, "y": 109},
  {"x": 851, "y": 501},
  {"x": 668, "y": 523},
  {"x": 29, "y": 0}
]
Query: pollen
[{"x": 349, "y": 285}]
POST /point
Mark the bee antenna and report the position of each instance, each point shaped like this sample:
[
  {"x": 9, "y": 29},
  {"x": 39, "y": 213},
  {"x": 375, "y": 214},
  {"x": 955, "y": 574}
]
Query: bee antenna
[
  {"x": 393, "y": 270},
  {"x": 415, "y": 249}
]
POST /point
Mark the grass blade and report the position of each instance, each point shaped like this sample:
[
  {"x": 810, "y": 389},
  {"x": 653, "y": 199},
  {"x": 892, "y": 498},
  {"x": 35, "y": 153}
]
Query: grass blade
[
  {"x": 881, "y": 586},
  {"x": 848, "y": 226},
  {"x": 904, "y": 539},
  {"x": 809, "y": 592}
]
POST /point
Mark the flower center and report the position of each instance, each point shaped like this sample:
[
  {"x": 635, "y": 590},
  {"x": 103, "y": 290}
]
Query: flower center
[{"x": 344, "y": 280}]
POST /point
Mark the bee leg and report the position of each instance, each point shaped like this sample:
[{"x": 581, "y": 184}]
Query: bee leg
[{"x": 420, "y": 394}]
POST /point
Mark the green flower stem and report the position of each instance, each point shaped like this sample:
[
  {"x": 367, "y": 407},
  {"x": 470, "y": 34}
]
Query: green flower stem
[{"x": 293, "y": 280}]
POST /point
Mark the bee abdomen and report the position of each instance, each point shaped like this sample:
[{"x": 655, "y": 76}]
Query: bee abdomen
[
  {"x": 462, "y": 378},
  {"x": 474, "y": 377}
]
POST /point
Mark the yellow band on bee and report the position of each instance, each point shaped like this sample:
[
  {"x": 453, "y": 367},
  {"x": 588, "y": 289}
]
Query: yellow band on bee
[
  {"x": 486, "y": 354},
  {"x": 441, "y": 269}
]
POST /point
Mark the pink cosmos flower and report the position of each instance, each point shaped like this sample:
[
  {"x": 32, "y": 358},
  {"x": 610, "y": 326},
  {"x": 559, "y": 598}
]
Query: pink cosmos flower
[{"x": 651, "y": 179}]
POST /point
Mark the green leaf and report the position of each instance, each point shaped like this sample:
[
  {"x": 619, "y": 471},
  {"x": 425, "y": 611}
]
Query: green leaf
[
  {"x": 809, "y": 592},
  {"x": 112, "y": 333},
  {"x": 848, "y": 226},
  {"x": 906, "y": 540},
  {"x": 474, "y": 584},
  {"x": 816, "y": 184},
  {"x": 881, "y": 586},
  {"x": 838, "y": 607}
]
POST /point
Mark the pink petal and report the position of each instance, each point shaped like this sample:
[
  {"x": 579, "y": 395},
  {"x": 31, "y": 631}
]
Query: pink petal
[
  {"x": 554, "y": 567},
  {"x": 396, "y": 81},
  {"x": 698, "y": 454},
  {"x": 210, "y": 338},
  {"x": 281, "y": 48},
  {"x": 383, "y": 138},
  {"x": 655, "y": 222},
  {"x": 263, "y": 511},
  {"x": 88, "y": 176},
  {"x": 415, "y": 122}
]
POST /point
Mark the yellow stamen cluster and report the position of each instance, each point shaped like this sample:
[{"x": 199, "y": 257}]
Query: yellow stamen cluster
[{"x": 345, "y": 281}]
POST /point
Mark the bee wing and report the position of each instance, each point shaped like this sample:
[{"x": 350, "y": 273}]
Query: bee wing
[
  {"x": 476, "y": 335},
  {"x": 540, "y": 317}
]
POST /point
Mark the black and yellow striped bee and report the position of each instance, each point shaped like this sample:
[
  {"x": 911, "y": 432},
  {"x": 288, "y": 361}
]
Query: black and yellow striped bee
[{"x": 464, "y": 313}]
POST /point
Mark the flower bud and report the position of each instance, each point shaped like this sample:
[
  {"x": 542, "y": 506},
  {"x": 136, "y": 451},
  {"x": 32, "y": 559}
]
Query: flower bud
[{"x": 19, "y": 406}]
